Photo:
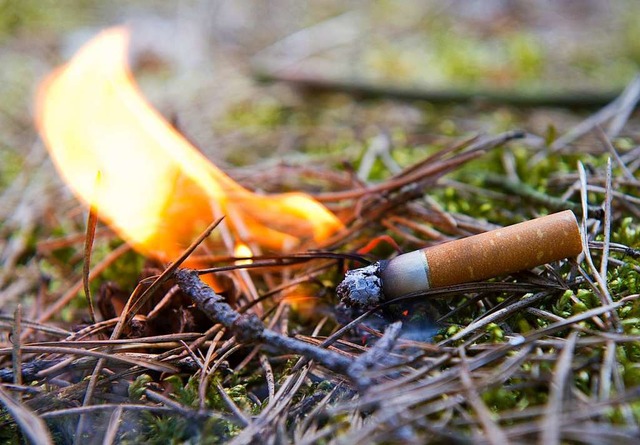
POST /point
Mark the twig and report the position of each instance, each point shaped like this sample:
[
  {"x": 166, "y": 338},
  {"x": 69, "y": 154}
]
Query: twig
[
  {"x": 607, "y": 143},
  {"x": 28, "y": 371},
  {"x": 185, "y": 411},
  {"x": 131, "y": 308},
  {"x": 606, "y": 370},
  {"x": 267, "y": 418},
  {"x": 106, "y": 356},
  {"x": 607, "y": 224},
  {"x": 248, "y": 328},
  {"x": 376, "y": 356},
  {"x": 630, "y": 94},
  {"x": 496, "y": 316},
  {"x": 379, "y": 147},
  {"x": 365, "y": 89},
  {"x": 268, "y": 373},
  {"x": 127, "y": 315},
  {"x": 628, "y": 102},
  {"x": 240, "y": 416}
]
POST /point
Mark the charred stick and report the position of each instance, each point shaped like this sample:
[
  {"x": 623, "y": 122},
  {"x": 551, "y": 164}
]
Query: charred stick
[
  {"x": 248, "y": 328},
  {"x": 475, "y": 258},
  {"x": 28, "y": 370}
]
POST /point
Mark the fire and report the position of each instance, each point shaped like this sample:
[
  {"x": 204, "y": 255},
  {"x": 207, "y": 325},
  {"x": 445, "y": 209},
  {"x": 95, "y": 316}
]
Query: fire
[
  {"x": 148, "y": 182},
  {"x": 242, "y": 250}
]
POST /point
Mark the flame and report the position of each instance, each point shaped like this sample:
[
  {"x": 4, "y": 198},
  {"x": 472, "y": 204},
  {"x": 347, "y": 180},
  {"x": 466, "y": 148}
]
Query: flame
[
  {"x": 148, "y": 182},
  {"x": 302, "y": 301},
  {"x": 242, "y": 250}
]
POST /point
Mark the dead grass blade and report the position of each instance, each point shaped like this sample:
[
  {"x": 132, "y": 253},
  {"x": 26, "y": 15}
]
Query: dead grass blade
[
  {"x": 607, "y": 224},
  {"x": 31, "y": 425},
  {"x": 16, "y": 350},
  {"x": 258, "y": 430},
  {"x": 496, "y": 316},
  {"x": 550, "y": 427},
  {"x": 92, "y": 222},
  {"x": 112, "y": 429},
  {"x": 268, "y": 373},
  {"x": 7, "y": 321},
  {"x": 240, "y": 416},
  {"x": 605, "y": 296}
]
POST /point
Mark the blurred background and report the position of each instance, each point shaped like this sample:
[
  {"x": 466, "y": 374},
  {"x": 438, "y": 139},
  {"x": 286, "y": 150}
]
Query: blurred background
[{"x": 195, "y": 58}]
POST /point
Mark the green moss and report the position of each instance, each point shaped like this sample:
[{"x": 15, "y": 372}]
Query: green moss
[
  {"x": 628, "y": 233},
  {"x": 631, "y": 374},
  {"x": 138, "y": 387},
  {"x": 624, "y": 280},
  {"x": 15, "y": 15},
  {"x": 172, "y": 428},
  {"x": 9, "y": 433},
  {"x": 256, "y": 115},
  {"x": 500, "y": 398},
  {"x": 563, "y": 306},
  {"x": 18, "y": 16},
  {"x": 125, "y": 271},
  {"x": 495, "y": 333}
]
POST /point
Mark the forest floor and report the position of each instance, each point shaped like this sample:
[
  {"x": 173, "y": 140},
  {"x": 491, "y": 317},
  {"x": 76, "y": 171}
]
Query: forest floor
[{"x": 414, "y": 126}]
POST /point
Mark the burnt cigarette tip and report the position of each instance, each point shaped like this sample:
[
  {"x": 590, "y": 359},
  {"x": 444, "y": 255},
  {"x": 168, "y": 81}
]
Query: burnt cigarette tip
[{"x": 362, "y": 287}]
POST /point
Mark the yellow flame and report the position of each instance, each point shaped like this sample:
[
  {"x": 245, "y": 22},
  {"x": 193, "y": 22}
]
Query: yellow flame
[
  {"x": 240, "y": 251},
  {"x": 155, "y": 189}
]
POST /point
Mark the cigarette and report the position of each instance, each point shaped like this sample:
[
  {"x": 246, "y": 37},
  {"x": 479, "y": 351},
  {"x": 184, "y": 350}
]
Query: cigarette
[{"x": 497, "y": 252}]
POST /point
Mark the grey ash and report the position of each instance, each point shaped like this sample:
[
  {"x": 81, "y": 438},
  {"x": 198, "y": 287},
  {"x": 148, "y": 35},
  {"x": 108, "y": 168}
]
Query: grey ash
[{"x": 362, "y": 288}]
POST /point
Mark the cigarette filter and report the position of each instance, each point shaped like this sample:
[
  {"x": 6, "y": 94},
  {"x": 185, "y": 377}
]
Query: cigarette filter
[{"x": 475, "y": 258}]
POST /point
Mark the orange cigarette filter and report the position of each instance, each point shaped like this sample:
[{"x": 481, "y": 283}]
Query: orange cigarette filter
[{"x": 475, "y": 258}]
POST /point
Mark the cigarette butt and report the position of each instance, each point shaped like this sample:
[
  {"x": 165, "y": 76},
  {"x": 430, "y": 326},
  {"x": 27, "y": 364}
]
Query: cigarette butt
[
  {"x": 475, "y": 258},
  {"x": 498, "y": 252}
]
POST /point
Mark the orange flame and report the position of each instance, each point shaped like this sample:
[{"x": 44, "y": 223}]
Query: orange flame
[{"x": 147, "y": 181}]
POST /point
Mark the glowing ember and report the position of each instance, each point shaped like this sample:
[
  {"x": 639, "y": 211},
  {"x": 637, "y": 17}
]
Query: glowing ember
[{"x": 153, "y": 187}]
